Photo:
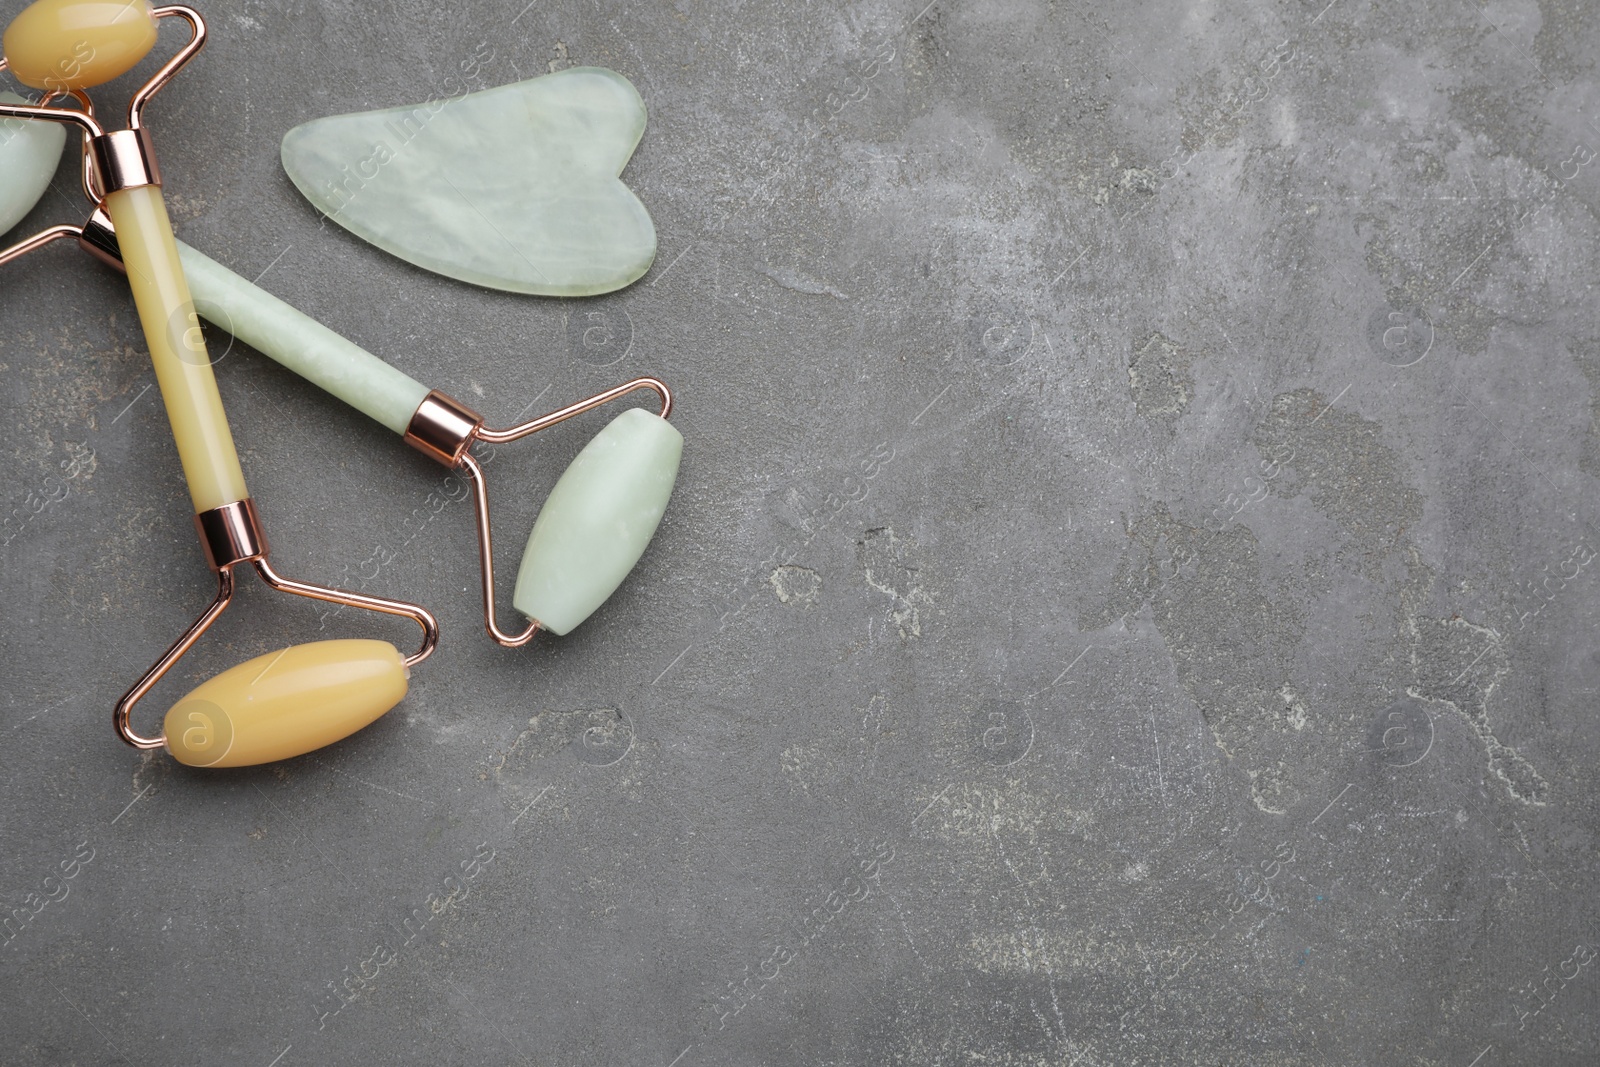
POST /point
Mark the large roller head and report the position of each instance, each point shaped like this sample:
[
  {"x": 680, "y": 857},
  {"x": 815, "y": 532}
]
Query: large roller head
[
  {"x": 62, "y": 45},
  {"x": 285, "y": 703},
  {"x": 598, "y": 520}
]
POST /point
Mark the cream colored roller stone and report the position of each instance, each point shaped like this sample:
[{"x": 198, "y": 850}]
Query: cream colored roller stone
[
  {"x": 286, "y": 703},
  {"x": 598, "y": 520},
  {"x": 58, "y": 45}
]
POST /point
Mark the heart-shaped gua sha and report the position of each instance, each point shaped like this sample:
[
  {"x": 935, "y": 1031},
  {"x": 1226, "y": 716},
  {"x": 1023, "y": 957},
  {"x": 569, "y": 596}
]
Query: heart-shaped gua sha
[
  {"x": 513, "y": 188},
  {"x": 29, "y": 153}
]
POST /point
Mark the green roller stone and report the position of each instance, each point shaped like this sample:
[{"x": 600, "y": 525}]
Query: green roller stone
[
  {"x": 30, "y": 150},
  {"x": 300, "y": 342},
  {"x": 598, "y": 520}
]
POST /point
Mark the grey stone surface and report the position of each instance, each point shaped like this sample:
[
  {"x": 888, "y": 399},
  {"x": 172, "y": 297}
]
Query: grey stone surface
[{"x": 1130, "y": 597}]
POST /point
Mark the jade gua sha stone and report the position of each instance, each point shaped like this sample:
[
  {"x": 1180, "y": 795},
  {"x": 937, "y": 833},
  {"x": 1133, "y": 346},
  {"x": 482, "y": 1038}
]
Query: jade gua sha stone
[
  {"x": 515, "y": 188},
  {"x": 29, "y": 152}
]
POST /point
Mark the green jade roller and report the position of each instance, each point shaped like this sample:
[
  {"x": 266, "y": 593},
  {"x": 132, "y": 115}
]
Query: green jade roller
[
  {"x": 302, "y": 697},
  {"x": 591, "y": 530},
  {"x": 596, "y": 523}
]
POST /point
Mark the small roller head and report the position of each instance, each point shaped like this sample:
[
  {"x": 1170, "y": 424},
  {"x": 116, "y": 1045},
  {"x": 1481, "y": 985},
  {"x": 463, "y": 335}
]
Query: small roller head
[
  {"x": 60, "y": 45},
  {"x": 29, "y": 153}
]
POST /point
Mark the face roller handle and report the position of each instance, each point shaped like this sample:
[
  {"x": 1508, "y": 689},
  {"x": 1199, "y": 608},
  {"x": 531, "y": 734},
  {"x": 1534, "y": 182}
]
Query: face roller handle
[
  {"x": 66, "y": 46},
  {"x": 177, "y": 348},
  {"x": 301, "y": 343}
]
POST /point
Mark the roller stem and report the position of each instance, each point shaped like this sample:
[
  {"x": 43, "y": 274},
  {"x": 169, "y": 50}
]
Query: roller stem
[
  {"x": 177, "y": 347},
  {"x": 415, "y": 612},
  {"x": 544, "y": 422},
  {"x": 37, "y": 241},
  {"x": 468, "y": 465},
  {"x": 90, "y": 127},
  {"x": 150, "y": 88},
  {"x": 196, "y": 629}
]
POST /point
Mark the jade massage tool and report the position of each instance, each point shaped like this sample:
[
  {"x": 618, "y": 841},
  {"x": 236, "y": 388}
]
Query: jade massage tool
[
  {"x": 597, "y": 521},
  {"x": 29, "y": 152},
  {"x": 285, "y": 703},
  {"x": 517, "y": 188}
]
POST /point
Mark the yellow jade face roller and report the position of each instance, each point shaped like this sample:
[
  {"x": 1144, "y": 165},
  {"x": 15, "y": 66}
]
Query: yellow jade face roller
[{"x": 285, "y": 703}]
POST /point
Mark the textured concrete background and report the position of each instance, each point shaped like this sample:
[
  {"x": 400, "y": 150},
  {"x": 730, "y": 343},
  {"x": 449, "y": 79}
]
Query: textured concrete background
[{"x": 1130, "y": 597}]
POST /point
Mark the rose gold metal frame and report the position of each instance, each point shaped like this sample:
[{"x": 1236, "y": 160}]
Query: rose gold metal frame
[
  {"x": 231, "y": 535},
  {"x": 158, "y": 81},
  {"x": 444, "y": 429},
  {"x": 97, "y": 237},
  {"x": 38, "y": 241}
]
